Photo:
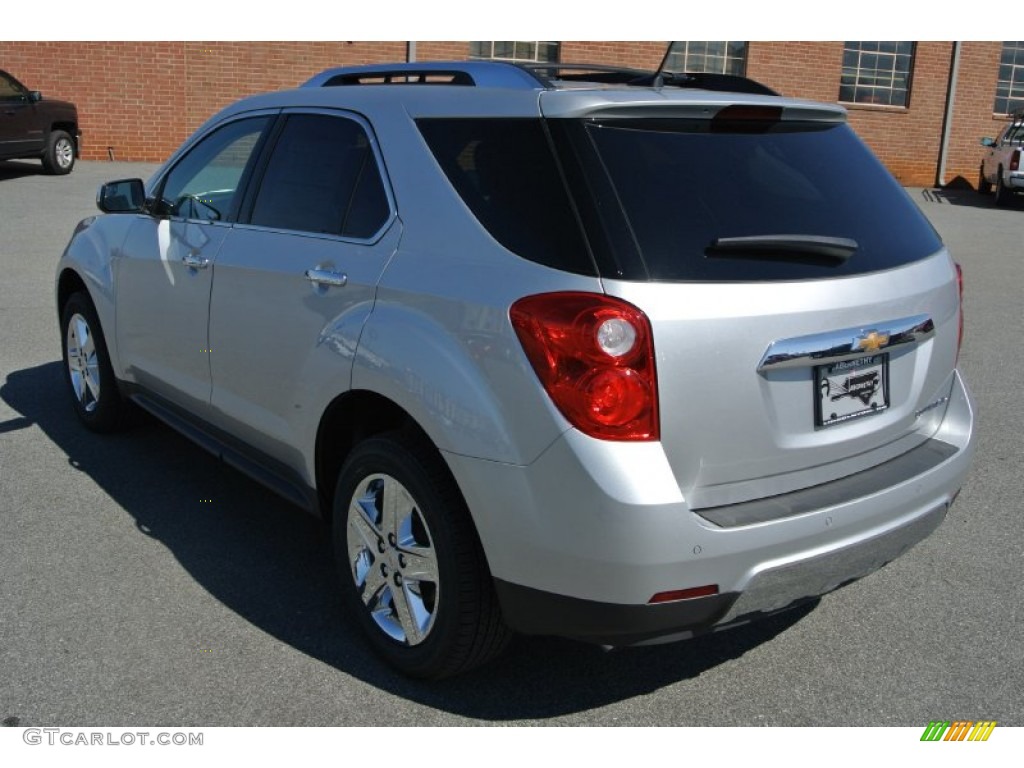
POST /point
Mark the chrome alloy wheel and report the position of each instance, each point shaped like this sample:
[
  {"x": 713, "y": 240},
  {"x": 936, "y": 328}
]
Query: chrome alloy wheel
[
  {"x": 392, "y": 559},
  {"x": 64, "y": 152},
  {"x": 83, "y": 364}
]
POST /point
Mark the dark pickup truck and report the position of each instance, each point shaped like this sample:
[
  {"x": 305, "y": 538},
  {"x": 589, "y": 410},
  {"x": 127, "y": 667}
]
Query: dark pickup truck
[{"x": 31, "y": 126}]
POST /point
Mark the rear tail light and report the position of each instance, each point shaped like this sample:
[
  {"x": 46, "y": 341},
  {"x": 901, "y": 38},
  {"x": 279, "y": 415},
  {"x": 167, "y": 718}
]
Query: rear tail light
[
  {"x": 594, "y": 356},
  {"x": 1015, "y": 160},
  {"x": 960, "y": 310}
]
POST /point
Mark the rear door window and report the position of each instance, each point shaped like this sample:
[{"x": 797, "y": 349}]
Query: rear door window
[{"x": 322, "y": 178}]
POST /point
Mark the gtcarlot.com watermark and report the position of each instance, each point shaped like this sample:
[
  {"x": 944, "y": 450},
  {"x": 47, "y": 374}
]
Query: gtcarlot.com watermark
[{"x": 71, "y": 737}]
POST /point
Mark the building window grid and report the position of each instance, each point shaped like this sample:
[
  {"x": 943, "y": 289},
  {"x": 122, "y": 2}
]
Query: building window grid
[
  {"x": 716, "y": 56},
  {"x": 542, "y": 51},
  {"x": 1010, "y": 83},
  {"x": 877, "y": 72}
]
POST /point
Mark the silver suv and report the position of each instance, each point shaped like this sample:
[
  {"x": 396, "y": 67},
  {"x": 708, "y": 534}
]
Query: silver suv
[{"x": 618, "y": 356}]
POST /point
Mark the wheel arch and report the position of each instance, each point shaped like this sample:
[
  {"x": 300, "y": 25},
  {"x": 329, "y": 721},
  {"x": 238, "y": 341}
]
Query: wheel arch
[
  {"x": 69, "y": 282},
  {"x": 69, "y": 127},
  {"x": 349, "y": 418}
]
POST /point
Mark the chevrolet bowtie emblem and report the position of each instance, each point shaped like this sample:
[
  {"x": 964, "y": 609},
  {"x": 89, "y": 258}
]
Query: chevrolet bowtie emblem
[{"x": 871, "y": 342}]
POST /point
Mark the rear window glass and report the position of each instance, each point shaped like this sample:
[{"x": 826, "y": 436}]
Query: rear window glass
[
  {"x": 684, "y": 184},
  {"x": 506, "y": 173}
]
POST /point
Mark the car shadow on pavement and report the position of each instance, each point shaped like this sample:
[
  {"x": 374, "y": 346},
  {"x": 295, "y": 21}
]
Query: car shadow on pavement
[
  {"x": 12, "y": 169},
  {"x": 270, "y": 563},
  {"x": 967, "y": 198}
]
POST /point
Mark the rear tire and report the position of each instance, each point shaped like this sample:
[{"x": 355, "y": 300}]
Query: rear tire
[
  {"x": 412, "y": 570},
  {"x": 59, "y": 158},
  {"x": 87, "y": 370}
]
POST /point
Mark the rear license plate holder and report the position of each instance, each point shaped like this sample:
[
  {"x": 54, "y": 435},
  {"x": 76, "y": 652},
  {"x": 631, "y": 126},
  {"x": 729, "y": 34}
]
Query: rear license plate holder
[{"x": 850, "y": 389}]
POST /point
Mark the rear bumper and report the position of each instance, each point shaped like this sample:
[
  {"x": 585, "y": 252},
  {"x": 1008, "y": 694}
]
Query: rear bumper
[
  {"x": 583, "y": 538},
  {"x": 774, "y": 589}
]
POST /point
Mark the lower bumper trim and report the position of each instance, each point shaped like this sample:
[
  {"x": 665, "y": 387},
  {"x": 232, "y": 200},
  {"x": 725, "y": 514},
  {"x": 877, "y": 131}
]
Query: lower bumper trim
[{"x": 536, "y": 612}]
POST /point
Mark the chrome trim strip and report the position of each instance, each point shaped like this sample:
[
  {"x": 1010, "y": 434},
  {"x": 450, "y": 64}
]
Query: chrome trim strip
[{"x": 845, "y": 344}]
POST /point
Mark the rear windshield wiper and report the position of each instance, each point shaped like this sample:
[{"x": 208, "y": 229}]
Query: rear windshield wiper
[{"x": 783, "y": 247}]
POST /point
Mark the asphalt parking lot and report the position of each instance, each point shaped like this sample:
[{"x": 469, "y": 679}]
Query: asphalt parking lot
[{"x": 127, "y": 598}]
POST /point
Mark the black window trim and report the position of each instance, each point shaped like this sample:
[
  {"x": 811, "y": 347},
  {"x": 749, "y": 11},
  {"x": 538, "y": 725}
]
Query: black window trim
[{"x": 248, "y": 200}]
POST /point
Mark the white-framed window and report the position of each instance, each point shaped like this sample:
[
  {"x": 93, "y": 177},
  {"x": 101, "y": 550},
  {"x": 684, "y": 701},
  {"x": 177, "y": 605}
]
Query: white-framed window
[
  {"x": 877, "y": 72},
  {"x": 716, "y": 56},
  {"x": 1010, "y": 84},
  {"x": 545, "y": 51}
]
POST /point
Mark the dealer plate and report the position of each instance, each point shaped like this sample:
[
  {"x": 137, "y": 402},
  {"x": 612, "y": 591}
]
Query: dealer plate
[{"x": 851, "y": 389}]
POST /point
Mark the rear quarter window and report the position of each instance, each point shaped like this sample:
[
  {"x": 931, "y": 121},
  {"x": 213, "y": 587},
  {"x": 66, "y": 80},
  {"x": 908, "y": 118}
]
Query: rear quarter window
[{"x": 506, "y": 173}]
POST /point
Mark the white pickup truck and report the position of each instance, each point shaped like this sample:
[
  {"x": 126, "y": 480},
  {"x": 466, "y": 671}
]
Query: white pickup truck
[{"x": 1001, "y": 167}]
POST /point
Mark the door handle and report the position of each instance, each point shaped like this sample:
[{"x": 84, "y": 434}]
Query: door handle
[
  {"x": 326, "y": 277},
  {"x": 192, "y": 261}
]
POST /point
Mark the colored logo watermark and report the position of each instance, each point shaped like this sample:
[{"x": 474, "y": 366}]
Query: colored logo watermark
[{"x": 958, "y": 730}]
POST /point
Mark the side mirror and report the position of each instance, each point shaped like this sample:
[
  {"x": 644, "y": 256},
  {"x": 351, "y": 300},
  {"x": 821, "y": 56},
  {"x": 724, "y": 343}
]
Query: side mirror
[
  {"x": 988, "y": 142},
  {"x": 122, "y": 196},
  {"x": 35, "y": 96}
]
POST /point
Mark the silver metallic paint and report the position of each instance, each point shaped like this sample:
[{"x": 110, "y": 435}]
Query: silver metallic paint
[{"x": 426, "y": 325}]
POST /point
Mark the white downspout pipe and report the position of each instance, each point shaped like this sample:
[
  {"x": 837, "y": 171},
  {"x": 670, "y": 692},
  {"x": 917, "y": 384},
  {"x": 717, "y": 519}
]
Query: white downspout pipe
[{"x": 947, "y": 120}]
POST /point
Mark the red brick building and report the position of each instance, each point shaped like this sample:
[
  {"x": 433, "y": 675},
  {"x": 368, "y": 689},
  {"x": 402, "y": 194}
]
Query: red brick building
[{"x": 139, "y": 100}]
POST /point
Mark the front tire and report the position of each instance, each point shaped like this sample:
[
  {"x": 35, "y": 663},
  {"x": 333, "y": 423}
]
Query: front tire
[
  {"x": 87, "y": 370},
  {"x": 412, "y": 570},
  {"x": 59, "y": 158}
]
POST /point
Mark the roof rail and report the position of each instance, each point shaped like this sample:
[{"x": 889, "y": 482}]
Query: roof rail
[
  {"x": 503, "y": 74},
  {"x": 484, "y": 74}
]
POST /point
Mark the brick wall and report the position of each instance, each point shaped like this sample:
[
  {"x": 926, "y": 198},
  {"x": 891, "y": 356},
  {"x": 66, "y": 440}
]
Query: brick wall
[
  {"x": 141, "y": 100},
  {"x": 807, "y": 70},
  {"x": 452, "y": 50},
  {"x": 908, "y": 140},
  {"x": 641, "y": 55},
  {"x": 972, "y": 109}
]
